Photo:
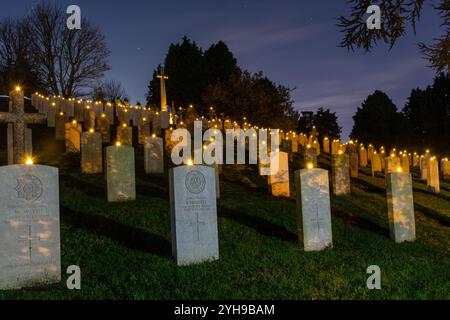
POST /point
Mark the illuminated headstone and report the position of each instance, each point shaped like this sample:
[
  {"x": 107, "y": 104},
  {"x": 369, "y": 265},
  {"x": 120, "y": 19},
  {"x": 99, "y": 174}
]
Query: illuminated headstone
[
  {"x": 153, "y": 155},
  {"x": 91, "y": 152},
  {"x": 400, "y": 206},
  {"x": 340, "y": 174},
  {"x": 29, "y": 226},
  {"x": 313, "y": 209},
  {"x": 433, "y": 175},
  {"x": 73, "y": 136},
  {"x": 125, "y": 135},
  {"x": 193, "y": 214},
  {"x": 279, "y": 180},
  {"x": 120, "y": 173}
]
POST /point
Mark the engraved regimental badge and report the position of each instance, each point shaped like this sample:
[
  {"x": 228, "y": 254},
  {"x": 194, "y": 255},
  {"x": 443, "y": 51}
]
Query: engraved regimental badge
[
  {"x": 195, "y": 182},
  {"x": 29, "y": 187}
]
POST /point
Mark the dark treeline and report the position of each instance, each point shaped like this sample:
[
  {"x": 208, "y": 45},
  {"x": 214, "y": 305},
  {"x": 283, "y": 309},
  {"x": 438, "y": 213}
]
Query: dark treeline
[
  {"x": 423, "y": 123},
  {"x": 213, "y": 78}
]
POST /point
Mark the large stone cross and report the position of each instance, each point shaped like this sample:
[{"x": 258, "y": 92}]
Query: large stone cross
[
  {"x": 162, "y": 78},
  {"x": 19, "y": 119}
]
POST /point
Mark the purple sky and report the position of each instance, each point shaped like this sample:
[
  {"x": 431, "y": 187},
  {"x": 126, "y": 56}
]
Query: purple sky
[{"x": 293, "y": 42}]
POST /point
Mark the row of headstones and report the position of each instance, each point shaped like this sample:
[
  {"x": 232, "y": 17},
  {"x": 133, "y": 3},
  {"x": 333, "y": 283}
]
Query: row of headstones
[
  {"x": 86, "y": 111},
  {"x": 30, "y": 224}
]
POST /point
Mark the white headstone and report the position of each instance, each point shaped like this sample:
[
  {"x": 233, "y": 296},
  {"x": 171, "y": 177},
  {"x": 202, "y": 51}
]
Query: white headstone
[
  {"x": 313, "y": 209},
  {"x": 193, "y": 214},
  {"x": 29, "y": 226}
]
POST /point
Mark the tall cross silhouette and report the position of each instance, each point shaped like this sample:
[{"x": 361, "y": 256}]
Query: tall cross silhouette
[{"x": 162, "y": 80}]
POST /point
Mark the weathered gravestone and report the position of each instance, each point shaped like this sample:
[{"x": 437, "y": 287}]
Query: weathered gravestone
[
  {"x": 326, "y": 145},
  {"x": 72, "y": 136},
  {"x": 120, "y": 173},
  {"x": 316, "y": 146},
  {"x": 153, "y": 155},
  {"x": 125, "y": 135},
  {"x": 313, "y": 209},
  {"x": 103, "y": 125},
  {"x": 335, "y": 146},
  {"x": 392, "y": 164},
  {"x": 375, "y": 163},
  {"x": 424, "y": 160},
  {"x": 279, "y": 179},
  {"x": 309, "y": 157},
  {"x": 362, "y": 157},
  {"x": 91, "y": 152},
  {"x": 400, "y": 206},
  {"x": 143, "y": 130},
  {"x": 340, "y": 174},
  {"x": 193, "y": 214},
  {"x": 404, "y": 162},
  {"x": 29, "y": 226},
  {"x": 354, "y": 164},
  {"x": 446, "y": 168},
  {"x": 433, "y": 175}
]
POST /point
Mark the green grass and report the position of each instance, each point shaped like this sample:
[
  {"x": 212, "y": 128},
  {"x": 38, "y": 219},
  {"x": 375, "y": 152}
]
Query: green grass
[{"x": 124, "y": 250}]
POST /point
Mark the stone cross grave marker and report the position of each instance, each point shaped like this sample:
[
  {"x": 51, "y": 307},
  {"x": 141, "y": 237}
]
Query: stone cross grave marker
[{"x": 19, "y": 120}]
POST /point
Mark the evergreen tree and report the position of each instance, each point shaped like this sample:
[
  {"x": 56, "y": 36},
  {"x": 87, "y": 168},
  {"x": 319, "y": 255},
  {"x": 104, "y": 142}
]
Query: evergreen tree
[
  {"x": 427, "y": 113},
  {"x": 220, "y": 62},
  {"x": 377, "y": 121}
]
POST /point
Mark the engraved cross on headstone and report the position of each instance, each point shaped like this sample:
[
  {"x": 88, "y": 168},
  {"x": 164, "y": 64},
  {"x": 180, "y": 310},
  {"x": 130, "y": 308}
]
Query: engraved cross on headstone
[
  {"x": 29, "y": 238},
  {"x": 19, "y": 119},
  {"x": 317, "y": 220},
  {"x": 196, "y": 225}
]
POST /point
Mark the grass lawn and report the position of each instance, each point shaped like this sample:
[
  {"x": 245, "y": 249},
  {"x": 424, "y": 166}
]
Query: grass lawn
[{"x": 124, "y": 250}]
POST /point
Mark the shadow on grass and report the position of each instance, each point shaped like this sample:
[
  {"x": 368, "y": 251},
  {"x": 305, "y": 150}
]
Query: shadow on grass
[
  {"x": 88, "y": 188},
  {"x": 360, "y": 222},
  {"x": 260, "y": 225},
  {"x": 130, "y": 237}
]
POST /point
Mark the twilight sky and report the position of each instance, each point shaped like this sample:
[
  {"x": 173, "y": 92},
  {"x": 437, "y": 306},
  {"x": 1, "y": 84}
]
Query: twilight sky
[{"x": 293, "y": 42}]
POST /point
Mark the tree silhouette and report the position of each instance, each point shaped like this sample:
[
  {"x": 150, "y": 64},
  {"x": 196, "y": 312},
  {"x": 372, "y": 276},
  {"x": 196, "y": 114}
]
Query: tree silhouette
[
  {"x": 377, "y": 121},
  {"x": 325, "y": 121},
  {"x": 65, "y": 62},
  {"x": 186, "y": 67},
  {"x": 220, "y": 62},
  {"x": 396, "y": 15},
  {"x": 427, "y": 113},
  {"x": 255, "y": 97}
]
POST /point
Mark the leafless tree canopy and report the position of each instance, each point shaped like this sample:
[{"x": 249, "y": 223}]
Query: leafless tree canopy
[
  {"x": 397, "y": 15},
  {"x": 109, "y": 91},
  {"x": 67, "y": 62}
]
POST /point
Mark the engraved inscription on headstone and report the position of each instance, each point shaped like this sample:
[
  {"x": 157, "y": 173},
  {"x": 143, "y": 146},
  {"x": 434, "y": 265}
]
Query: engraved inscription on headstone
[
  {"x": 29, "y": 226},
  {"x": 193, "y": 214}
]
